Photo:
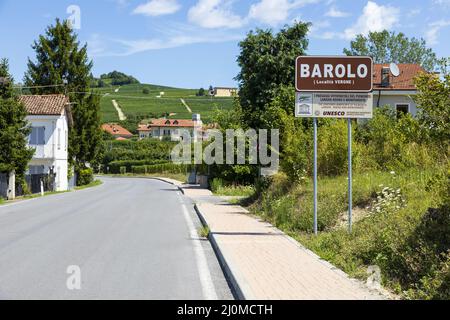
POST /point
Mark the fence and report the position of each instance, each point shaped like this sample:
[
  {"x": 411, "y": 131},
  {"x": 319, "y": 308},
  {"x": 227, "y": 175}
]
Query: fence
[
  {"x": 3, "y": 185},
  {"x": 33, "y": 182}
]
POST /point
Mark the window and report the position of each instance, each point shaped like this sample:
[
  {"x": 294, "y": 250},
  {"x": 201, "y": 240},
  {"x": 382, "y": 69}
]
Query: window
[
  {"x": 402, "y": 109},
  {"x": 36, "y": 169},
  {"x": 66, "y": 139},
  {"x": 37, "y": 136},
  {"x": 59, "y": 138}
]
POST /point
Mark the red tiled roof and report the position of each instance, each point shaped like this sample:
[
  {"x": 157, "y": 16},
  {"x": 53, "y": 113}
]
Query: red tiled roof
[
  {"x": 172, "y": 123},
  {"x": 116, "y": 130},
  {"x": 53, "y": 104},
  {"x": 405, "y": 81},
  {"x": 144, "y": 127}
]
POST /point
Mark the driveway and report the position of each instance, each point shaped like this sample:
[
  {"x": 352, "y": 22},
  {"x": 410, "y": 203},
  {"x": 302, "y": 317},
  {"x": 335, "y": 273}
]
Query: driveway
[{"x": 126, "y": 239}]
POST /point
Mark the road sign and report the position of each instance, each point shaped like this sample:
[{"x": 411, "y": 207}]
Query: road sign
[
  {"x": 334, "y": 87},
  {"x": 333, "y": 74},
  {"x": 334, "y": 105}
]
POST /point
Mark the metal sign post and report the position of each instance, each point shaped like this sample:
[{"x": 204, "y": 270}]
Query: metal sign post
[
  {"x": 334, "y": 87},
  {"x": 315, "y": 176},
  {"x": 350, "y": 182}
]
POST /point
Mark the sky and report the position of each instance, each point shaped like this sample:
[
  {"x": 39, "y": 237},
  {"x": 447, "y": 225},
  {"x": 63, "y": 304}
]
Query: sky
[{"x": 194, "y": 43}]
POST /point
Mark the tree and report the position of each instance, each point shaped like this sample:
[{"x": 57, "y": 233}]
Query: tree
[
  {"x": 201, "y": 92},
  {"x": 433, "y": 101},
  {"x": 267, "y": 61},
  {"x": 14, "y": 153},
  {"x": 63, "y": 67},
  {"x": 387, "y": 47}
]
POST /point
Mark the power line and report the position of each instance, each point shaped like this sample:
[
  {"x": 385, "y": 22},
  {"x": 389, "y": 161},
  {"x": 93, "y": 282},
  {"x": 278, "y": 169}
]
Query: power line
[{"x": 33, "y": 87}]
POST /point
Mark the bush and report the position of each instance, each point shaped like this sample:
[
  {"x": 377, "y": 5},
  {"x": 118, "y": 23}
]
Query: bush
[
  {"x": 115, "y": 166},
  {"x": 85, "y": 177},
  {"x": 123, "y": 170},
  {"x": 139, "y": 169},
  {"x": 216, "y": 184},
  {"x": 146, "y": 91},
  {"x": 332, "y": 148}
]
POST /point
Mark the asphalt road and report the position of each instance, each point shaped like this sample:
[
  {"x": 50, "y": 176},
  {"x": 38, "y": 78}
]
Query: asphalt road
[{"x": 126, "y": 239}]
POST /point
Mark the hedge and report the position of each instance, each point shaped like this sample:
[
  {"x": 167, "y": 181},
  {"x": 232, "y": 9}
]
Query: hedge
[
  {"x": 161, "y": 168},
  {"x": 114, "y": 167}
]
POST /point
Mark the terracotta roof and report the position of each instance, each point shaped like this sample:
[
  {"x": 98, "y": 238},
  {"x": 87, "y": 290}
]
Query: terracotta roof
[
  {"x": 405, "y": 81},
  {"x": 45, "y": 104},
  {"x": 121, "y": 139},
  {"x": 116, "y": 130},
  {"x": 172, "y": 123},
  {"x": 144, "y": 127}
]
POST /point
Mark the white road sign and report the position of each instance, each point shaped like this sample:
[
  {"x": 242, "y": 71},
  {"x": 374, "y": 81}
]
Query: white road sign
[{"x": 334, "y": 105}]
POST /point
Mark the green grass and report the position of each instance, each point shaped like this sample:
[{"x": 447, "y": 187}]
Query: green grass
[
  {"x": 203, "y": 232},
  {"x": 94, "y": 183},
  {"x": 175, "y": 176},
  {"x": 407, "y": 242},
  {"x": 1, "y": 201},
  {"x": 235, "y": 191},
  {"x": 134, "y": 103}
]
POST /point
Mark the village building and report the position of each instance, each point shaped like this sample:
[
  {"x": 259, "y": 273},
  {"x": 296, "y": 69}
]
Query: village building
[
  {"x": 49, "y": 117},
  {"x": 118, "y": 132},
  {"x": 396, "y": 92},
  {"x": 225, "y": 92},
  {"x": 171, "y": 129}
]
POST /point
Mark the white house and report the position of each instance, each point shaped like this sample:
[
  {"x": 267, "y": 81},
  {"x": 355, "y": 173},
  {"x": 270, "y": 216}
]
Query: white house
[
  {"x": 171, "y": 129},
  {"x": 397, "y": 92},
  {"x": 49, "y": 118}
]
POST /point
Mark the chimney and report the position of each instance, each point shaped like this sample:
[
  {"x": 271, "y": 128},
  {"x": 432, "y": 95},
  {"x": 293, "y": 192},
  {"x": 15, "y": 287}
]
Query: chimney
[
  {"x": 385, "y": 77},
  {"x": 196, "y": 118}
]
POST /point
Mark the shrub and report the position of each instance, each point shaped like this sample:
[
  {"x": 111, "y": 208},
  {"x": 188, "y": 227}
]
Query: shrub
[
  {"x": 123, "y": 170},
  {"x": 332, "y": 148},
  {"x": 146, "y": 91},
  {"x": 139, "y": 169},
  {"x": 216, "y": 184},
  {"x": 85, "y": 177},
  {"x": 115, "y": 166}
]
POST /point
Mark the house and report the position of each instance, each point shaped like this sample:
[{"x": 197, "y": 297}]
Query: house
[
  {"x": 118, "y": 132},
  {"x": 397, "y": 92},
  {"x": 225, "y": 92},
  {"x": 49, "y": 117},
  {"x": 172, "y": 129}
]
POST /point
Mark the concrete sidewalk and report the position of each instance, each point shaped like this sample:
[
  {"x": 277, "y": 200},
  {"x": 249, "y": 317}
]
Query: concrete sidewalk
[{"x": 264, "y": 263}]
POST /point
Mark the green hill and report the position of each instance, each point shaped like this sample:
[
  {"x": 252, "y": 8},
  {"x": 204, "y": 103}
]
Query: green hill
[{"x": 137, "y": 105}]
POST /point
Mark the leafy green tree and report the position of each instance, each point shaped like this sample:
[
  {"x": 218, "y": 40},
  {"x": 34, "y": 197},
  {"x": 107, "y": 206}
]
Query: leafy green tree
[
  {"x": 433, "y": 102},
  {"x": 386, "y": 47},
  {"x": 267, "y": 60},
  {"x": 14, "y": 153},
  {"x": 62, "y": 66}
]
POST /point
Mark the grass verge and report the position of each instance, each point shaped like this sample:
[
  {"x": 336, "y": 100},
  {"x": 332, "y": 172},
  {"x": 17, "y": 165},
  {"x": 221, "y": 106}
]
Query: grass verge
[
  {"x": 94, "y": 183},
  {"x": 404, "y": 227}
]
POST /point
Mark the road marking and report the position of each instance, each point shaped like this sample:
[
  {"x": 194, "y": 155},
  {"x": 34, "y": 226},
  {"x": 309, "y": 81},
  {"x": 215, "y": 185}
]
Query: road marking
[{"x": 209, "y": 292}]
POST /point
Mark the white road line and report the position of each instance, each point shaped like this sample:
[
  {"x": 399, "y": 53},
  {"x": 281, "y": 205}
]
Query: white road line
[{"x": 209, "y": 292}]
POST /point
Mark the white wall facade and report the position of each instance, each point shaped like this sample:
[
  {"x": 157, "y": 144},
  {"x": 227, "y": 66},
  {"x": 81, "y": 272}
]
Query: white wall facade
[
  {"x": 395, "y": 98},
  {"x": 52, "y": 152}
]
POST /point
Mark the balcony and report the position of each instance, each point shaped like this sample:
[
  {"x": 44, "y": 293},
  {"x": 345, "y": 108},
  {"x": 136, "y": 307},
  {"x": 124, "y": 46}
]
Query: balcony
[{"x": 43, "y": 151}]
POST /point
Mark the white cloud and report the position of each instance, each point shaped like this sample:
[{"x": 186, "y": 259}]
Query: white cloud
[
  {"x": 433, "y": 31},
  {"x": 374, "y": 18},
  {"x": 274, "y": 12},
  {"x": 158, "y": 8},
  {"x": 214, "y": 14},
  {"x": 136, "y": 46},
  {"x": 334, "y": 12}
]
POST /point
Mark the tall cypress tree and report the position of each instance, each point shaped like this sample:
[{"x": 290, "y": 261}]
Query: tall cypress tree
[
  {"x": 62, "y": 66},
  {"x": 14, "y": 153}
]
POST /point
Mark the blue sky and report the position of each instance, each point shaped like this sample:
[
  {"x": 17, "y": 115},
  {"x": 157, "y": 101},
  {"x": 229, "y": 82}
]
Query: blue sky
[{"x": 194, "y": 43}]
